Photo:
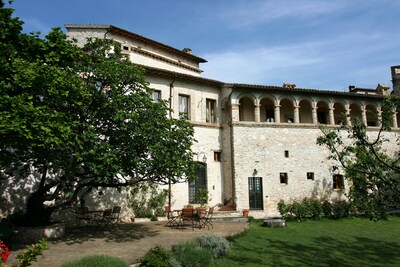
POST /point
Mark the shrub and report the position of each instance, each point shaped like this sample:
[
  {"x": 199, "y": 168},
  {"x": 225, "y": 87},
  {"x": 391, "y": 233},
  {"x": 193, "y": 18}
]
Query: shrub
[
  {"x": 327, "y": 209},
  {"x": 191, "y": 255},
  {"x": 25, "y": 257},
  {"x": 217, "y": 245},
  {"x": 282, "y": 208},
  {"x": 340, "y": 209},
  {"x": 156, "y": 257},
  {"x": 314, "y": 209},
  {"x": 96, "y": 260}
]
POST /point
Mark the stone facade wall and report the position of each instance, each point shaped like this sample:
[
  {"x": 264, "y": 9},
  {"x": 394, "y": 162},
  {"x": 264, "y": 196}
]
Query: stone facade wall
[{"x": 263, "y": 148}]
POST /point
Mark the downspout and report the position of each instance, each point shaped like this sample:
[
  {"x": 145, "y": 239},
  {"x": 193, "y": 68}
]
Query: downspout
[{"x": 171, "y": 95}]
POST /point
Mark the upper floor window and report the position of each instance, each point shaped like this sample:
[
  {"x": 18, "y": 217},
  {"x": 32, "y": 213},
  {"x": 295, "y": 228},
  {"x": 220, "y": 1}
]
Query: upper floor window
[
  {"x": 211, "y": 111},
  {"x": 156, "y": 96},
  {"x": 184, "y": 106}
]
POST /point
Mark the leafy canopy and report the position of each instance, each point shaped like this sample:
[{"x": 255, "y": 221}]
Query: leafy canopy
[
  {"x": 81, "y": 118},
  {"x": 372, "y": 172}
]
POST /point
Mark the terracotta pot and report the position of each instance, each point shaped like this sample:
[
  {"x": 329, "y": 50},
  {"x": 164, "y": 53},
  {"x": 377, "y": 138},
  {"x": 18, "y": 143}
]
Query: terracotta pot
[{"x": 245, "y": 213}]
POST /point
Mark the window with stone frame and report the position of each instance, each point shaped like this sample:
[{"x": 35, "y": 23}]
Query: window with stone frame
[
  {"x": 310, "y": 176},
  {"x": 156, "y": 96},
  {"x": 184, "y": 106},
  {"x": 338, "y": 181},
  {"x": 199, "y": 184},
  {"x": 211, "y": 112}
]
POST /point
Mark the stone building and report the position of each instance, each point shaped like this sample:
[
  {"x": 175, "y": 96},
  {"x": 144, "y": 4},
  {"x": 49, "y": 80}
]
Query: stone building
[{"x": 257, "y": 142}]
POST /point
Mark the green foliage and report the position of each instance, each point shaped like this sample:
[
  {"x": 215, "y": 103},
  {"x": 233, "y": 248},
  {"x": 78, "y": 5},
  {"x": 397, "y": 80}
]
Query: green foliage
[
  {"x": 314, "y": 209},
  {"x": 81, "y": 118},
  {"x": 201, "y": 196},
  {"x": 282, "y": 208},
  {"x": 25, "y": 257},
  {"x": 373, "y": 174},
  {"x": 156, "y": 257},
  {"x": 218, "y": 245},
  {"x": 191, "y": 255},
  {"x": 146, "y": 199},
  {"x": 96, "y": 260}
]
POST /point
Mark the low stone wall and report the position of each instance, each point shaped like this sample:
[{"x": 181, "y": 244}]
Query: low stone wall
[
  {"x": 30, "y": 235},
  {"x": 274, "y": 222}
]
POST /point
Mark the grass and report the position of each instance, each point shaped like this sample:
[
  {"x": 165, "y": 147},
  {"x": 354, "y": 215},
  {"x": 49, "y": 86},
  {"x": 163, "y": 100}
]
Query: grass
[
  {"x": 346, "y": 242},
  {"x": 95, "y": 261}
]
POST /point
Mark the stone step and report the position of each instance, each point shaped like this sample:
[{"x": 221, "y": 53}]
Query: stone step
[{"x": 229, "y": 216}]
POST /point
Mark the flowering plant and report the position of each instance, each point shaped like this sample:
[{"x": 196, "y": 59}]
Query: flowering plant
[{"x": 3, "y": 252}]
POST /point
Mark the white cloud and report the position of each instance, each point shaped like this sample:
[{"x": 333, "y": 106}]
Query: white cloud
[{"x": 331, "y": 63}]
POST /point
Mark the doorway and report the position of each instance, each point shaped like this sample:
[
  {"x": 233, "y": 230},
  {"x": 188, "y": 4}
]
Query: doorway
[{"x": 255, "y": 193}]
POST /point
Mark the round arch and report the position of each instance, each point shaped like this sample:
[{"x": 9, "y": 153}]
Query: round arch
[
  {"x": 322, "y": 112},
  {"x": 355, "y": 111},
  {"x": 339, "y": 113},
  {"x": 267, "y": 109},
  {"x": 286, "y": 110},
  {"x": 246, "y": 109},
  {"x": 305, "y": 111},
  {"x": 372, "y": 115}
]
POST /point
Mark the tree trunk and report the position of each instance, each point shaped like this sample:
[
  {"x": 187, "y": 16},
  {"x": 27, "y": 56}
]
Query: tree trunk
[{"x": 36, "y": 213}]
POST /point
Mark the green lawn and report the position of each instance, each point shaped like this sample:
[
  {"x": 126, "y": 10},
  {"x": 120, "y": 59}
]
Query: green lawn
[{"x": 347, "y": 242}]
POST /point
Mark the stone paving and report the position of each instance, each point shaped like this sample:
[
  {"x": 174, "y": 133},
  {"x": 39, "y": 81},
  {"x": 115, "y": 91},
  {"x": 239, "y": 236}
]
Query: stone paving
[{"x": 127, "y": 241}]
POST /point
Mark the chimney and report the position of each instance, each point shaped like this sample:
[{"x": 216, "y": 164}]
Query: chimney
[
  {"x": 187, "y": 50},
  {"x": 382, "y": 89},
  {"x": 396, "y": 79},
  {"x": 289, "y": 85}
]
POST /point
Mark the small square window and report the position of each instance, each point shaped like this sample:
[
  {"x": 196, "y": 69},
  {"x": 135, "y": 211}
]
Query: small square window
[
  {"x": 286, "y": 153},
  {"x": 338, "y": 181},
  {"x": 217, "y": 156},
  {"x": 283, "y": 176},
  {"x": 125, "y": 48},
  {"x": 310, "y": 176}
]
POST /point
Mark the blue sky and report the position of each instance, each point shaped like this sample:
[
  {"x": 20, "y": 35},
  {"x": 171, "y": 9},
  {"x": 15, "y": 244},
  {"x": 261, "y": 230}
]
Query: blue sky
[{"x": 321, "y": 44}]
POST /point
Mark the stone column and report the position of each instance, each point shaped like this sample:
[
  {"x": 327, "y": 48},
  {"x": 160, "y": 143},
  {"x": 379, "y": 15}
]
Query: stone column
[
  {"x": 257, "y": 113},
  {"x": 364, "y": 115},
  {"x": 277, "y": 113},
  {"x": 331, "y": 116},
  {"x": 235, "y": 112},
  {"x": 314, "y": 115},
  {"x": 379, "y": 111},
  {"x": 296, "y": 114},
  {"x": 348, "y": 119},
  {"x": 394, "y": 119}
]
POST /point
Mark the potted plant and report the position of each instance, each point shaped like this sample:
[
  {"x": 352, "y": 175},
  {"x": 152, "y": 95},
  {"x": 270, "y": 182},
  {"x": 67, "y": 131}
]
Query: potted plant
[{"x": 245, "y": 213}]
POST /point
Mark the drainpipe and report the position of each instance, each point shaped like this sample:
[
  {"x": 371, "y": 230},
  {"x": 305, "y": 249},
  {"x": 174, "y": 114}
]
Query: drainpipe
[{"x": 171, "y": 94}]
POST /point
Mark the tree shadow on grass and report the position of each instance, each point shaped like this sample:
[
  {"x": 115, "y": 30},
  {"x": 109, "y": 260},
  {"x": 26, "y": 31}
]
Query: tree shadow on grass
[{"x": 324, "y": 251}]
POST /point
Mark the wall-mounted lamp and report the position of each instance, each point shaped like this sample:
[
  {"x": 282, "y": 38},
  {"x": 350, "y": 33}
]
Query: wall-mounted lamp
[
  {"x": 202, "y": 157},
  {"x": 255, "y": 172}
]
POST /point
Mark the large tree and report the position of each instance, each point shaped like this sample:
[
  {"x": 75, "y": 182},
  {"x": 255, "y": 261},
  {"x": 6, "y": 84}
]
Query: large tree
[
  {"x": 81, "y": 119},
  {"x": 373, "y": 172}
]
